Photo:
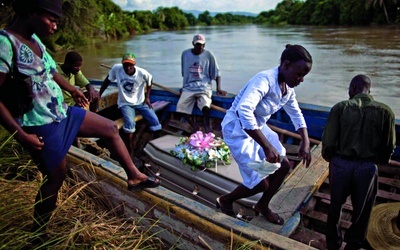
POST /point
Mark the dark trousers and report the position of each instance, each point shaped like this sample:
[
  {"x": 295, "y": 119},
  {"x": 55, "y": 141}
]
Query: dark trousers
[{"x": 359, "y": 179}]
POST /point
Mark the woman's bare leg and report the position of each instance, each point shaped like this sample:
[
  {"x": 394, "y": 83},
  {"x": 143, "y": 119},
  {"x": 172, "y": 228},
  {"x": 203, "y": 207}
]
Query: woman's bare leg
[{"x": 275, "y": 181}]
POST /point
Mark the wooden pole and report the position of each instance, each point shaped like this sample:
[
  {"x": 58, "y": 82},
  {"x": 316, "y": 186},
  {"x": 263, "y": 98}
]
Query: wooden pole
[
  {"x": 276, "y": 129},
  {"x": 174, "y": 92}
]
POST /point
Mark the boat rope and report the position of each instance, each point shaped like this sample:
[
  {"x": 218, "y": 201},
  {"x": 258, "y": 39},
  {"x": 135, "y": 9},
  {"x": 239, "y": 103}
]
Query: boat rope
[{"x": 87, "y": 143}]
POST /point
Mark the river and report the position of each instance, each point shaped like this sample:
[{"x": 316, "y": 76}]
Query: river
[{"x": 339, "y": 53}]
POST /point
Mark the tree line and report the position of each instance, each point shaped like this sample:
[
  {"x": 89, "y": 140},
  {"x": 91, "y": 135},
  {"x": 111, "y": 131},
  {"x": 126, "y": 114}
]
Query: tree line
[{"x": 88, "y": 21}]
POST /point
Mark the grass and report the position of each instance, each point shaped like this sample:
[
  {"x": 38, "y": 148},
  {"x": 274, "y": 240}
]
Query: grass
[{"x": 79, "y": 222}]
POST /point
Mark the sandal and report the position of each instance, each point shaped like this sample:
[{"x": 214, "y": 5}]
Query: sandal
[
  {"x": 225, "y": 210},
  {"x": 270, "y": 216},
  {"x": 150, "y": 182}
]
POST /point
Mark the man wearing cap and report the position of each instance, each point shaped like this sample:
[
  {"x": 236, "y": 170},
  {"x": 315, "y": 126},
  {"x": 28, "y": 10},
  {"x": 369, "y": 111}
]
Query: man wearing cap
[
  {"x": 199, "y": 67},
  {"x": 134, "y": 87}
]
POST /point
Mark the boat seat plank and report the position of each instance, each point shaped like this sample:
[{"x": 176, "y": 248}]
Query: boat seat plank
[
  {"x": 296, "y": 190},
  {"x": 158, "y": 105},
  {"x": 291, "y": 149},
  {"x": 389, "y": 181},
  {"x": 388, "y": 195},
  {"x": 181, "y": 126},
  {"x": 326, "y": 198},
  {"x": 319, "y": 216}
]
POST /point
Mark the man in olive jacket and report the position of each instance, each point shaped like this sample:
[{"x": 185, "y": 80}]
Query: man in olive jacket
[{"x": 359, "y": 134}]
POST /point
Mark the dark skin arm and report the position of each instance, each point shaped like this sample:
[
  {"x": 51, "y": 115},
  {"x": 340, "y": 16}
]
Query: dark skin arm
[
  {"x": 219, "y": 90},
  {"x": 148, "y": 90},
  {"x": 304, "y": 151},
  {"x": 272, "y": 154},
  {"x": 78, "y": 95},
  {"x": 8, "y": 122},
  {"x": 92, "y": 93},
  {"x": 104, "y": 86}
]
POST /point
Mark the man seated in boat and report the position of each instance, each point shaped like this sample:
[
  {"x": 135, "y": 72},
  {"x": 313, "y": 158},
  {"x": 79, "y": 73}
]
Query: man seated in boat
[
  {"x": 134, "y": 87},
  {"x": 199, "y": 67},
  {"x": 70, "y": 70}
]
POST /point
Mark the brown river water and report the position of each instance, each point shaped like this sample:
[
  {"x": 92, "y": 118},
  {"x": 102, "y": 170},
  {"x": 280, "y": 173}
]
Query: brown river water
[{"x": 339, "y": 53}]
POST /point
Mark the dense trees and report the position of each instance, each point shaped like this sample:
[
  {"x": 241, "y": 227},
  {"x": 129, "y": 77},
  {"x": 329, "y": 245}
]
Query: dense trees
[
  {"x": 88, "y": 20},
  {"x": 332, "y": 12}
]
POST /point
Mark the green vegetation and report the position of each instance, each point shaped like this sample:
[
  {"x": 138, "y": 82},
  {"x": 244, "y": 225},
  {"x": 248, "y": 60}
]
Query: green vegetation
[{"x": 88, "y": 21}]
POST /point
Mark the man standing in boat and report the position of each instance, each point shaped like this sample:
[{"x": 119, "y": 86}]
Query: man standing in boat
[
  {"x": 134, "y": 87},
  {"x": 199, "y": 67},
  {"x": 359, "y": 134}
]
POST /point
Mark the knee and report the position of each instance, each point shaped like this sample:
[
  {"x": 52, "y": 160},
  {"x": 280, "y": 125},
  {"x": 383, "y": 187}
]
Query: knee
[
  {"x": 112, "y": 127},
  {"x": 110, "y": 130},
  {"x": 56, "y": 178},
  {"x": 206, "y": 110}
]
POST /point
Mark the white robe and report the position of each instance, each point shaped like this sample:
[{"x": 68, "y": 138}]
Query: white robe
[{"x": 253, "y": 106}]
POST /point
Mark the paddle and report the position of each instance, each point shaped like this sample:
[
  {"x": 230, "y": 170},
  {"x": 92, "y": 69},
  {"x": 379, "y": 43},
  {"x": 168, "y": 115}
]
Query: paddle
[{"x": 276, "y": 129}]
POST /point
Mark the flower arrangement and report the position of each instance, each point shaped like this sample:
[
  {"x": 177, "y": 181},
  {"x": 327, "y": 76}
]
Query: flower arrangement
[{"x": 201, "y": 150}]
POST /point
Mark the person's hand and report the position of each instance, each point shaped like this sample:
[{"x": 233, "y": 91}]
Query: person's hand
[
  {"x": 272, "y": 155},
  {"x": 79, "y": 98},
  {"x": 305, "y": 154},
  {"x": 93, "y": 94},
  {"x": 221, "y": 92},
  {"x": 148, "y": 102},
  {"x": 30, "y": 141}
]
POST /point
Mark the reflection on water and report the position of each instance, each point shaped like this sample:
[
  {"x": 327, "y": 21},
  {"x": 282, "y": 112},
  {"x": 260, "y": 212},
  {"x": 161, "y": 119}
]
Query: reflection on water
[{"x": 241, "y": 51}]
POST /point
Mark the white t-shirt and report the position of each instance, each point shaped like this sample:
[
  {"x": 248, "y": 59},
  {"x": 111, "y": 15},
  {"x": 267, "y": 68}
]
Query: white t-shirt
[
  {"x": 131, "y": 89},
  {"x": 198, "y": 71}
]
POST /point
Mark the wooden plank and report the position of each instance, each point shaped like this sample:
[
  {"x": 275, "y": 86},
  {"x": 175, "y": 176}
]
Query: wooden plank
[
  {"x": 381, "y": 194},
  {"x": 389, "y": 181},
  {"x": 158, "y": 105},
  {"x": 326, "y": 198},
  {"x": 389, "y": 169},
  {"x": 301, "y": 182},
  {"x": 388, "y": 195},
  {"x": 296, "y": 190},
  {"x": 309, "y": 237},
  {"x": 181, "y": 126},
  {"x": 322, "y": 217},
  {"x": 291, "y": 149}
]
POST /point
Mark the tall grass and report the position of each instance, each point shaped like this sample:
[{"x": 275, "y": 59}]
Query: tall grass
[{"x": 79, "y": 222}]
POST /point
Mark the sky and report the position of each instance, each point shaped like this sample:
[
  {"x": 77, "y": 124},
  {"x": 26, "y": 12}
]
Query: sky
[{"x": 253, "y": 6}]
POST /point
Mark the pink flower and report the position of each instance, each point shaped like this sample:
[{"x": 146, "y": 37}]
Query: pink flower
[{"x": 200, "y": 140}]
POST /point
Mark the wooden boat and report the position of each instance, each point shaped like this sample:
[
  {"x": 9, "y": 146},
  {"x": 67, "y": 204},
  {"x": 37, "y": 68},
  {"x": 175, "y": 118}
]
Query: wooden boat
[{"x": 185, "y": 205}]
